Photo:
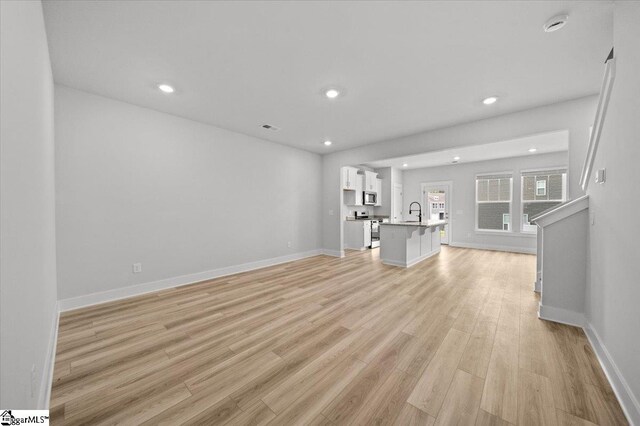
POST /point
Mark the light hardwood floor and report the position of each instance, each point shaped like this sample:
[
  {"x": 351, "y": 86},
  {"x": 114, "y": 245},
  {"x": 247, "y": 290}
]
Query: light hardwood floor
[{"x": 454, "y": 340}]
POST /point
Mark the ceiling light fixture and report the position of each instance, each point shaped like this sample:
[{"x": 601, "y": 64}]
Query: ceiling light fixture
[
  {"x": 166, "y": 88},
  {"x": 327, "y": 143},
  {"x": 456, "y": 158},
  {"x": 332, "y": 93},
  {"x": 533, "y": 149},
  {"x": 490, "y": 100},
  {"x": 555, "y": 23},
  {"x": 405, "y": 165}
]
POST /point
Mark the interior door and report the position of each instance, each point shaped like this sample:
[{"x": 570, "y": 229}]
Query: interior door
[
  {"x": 437, "y": 206},
  {"x": 396, "y": 214}
]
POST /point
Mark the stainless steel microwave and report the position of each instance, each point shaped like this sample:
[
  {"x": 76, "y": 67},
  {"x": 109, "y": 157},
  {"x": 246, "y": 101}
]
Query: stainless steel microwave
[{"x": 369, "y": 198}]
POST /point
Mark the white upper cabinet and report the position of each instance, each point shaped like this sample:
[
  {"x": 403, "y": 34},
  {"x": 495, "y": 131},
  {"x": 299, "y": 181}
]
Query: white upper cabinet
[
  {"x": 378, "y": 192},
  {"x": 354, "y": 198},
  {"x": 349, "y": 177},
  {"x": 370, "y": 181},
  {"x": 359, "y": 189}
]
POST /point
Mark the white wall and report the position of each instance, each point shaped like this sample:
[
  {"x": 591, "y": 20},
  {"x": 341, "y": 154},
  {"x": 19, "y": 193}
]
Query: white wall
[
  {"x": 575, "y": 116},
  {"x": 27, "y": 221},
  {"x": 462, "y": 212},
  {"x": 613, "y": 294},
  {"x": 180, "y": 197}
]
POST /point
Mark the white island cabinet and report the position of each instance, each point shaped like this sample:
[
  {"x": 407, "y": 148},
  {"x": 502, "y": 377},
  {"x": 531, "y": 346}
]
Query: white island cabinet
[{"x": 407, "y": 243}]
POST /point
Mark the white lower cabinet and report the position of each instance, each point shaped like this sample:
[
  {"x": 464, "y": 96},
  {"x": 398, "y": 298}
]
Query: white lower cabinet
[{"x": 357, "y": 234}]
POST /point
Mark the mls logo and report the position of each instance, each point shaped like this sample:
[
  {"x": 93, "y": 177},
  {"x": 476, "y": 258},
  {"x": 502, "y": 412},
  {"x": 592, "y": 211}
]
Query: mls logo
[
  {"x": 27, "y": 417},
  {"x": 6, "y": 417}
]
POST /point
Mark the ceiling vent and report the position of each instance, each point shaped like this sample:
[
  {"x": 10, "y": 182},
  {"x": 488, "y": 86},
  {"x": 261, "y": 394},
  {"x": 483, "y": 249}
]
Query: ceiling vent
[
  {"x": 270, "y": 127},
  {"x": 555, "y": 23}
]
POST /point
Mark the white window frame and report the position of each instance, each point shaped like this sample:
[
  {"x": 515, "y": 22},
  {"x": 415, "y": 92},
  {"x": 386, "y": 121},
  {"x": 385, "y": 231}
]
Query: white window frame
[
  {"x": 494, "y": 231},
  {"x": 533, "y": 229},
  {"x": 542, "y": 187}
]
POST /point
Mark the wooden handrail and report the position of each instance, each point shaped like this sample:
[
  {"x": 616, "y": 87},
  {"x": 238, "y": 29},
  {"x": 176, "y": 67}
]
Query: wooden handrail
[{"x": 596, "y": 131}]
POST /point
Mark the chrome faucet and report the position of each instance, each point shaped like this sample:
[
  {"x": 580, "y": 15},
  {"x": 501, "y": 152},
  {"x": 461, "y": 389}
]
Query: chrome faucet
[{"x": 419, "y": 210}]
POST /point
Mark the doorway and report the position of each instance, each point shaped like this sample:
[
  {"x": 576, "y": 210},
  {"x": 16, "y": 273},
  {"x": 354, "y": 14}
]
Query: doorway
[{"x": 437, "y": 200}]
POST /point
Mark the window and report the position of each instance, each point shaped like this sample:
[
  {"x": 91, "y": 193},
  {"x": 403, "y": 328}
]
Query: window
[
  {"x": 493, "y": 202},
  {"x": 541, "y": 190}
]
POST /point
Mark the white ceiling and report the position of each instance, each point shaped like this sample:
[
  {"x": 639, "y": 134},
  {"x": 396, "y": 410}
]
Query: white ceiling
[
  {"x": 407, "y": 66},
  {"x": 543, "y": 143}
]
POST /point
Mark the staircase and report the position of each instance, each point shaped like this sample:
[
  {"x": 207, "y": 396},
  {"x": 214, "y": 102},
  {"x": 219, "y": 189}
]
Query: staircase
[{"x": 562, "y": 262}]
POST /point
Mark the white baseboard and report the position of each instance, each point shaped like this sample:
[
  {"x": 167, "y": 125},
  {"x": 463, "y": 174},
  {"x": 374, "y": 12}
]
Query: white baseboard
[
  {"x": 356, "y": 248},
  {"x": 627, "y": 399},
  {"x": 47, "y": 372},
  {"x": 562, "y": 316},
  {"x": 139, "y": 289},
  {"x": 334, "y": 253},
  {"x": 525, "y": 250}
]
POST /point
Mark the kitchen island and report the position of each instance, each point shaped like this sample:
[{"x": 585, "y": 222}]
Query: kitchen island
[{"x": 407, "y": 243}]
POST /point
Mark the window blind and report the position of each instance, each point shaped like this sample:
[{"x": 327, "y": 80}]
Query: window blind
[
  {"x": 493, "y": 188},
  {"x": 493, "y": 202},
  {"x": 544, "y": 172}
]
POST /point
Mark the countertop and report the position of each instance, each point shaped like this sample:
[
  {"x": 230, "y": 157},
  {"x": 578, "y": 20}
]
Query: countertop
[
  {"x": 351, "y": 218},
  {"x": 423, "y": 224}
]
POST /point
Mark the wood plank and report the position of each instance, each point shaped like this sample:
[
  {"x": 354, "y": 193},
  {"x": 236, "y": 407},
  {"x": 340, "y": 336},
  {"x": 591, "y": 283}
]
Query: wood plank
[
  {"x": 566, "y": 419},
  {"x": 321, "y": 339},
  {"x": 411, "y": 416},
  {"x": 386, "y": 403},
  {"x": 280, "y": 398},
  {"x": 500, "y": 394},
  {"x": 486, "y": 419},
  {"x": 311, "y": 402},
  {"x": 462, "y": 400},
  {"x": 147, "y": 409},
  {"x": 432, "y": 387},
  {"x": 477, "y": 354},
  {"x": 346, "y": 405},
  {"x": 535, "y": 400},
  {"x": 255, "y": 415}
]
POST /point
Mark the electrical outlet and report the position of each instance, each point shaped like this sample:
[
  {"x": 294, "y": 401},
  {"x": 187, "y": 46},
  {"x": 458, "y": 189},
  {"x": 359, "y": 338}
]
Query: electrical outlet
[
  {"x": 289, "y": 244},
  {"x": 137, "y": 268},
  {"x": 330, "y": 212},
  {"x": 33, "y": 381}
]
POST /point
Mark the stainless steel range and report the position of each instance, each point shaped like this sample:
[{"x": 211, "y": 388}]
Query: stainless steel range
[
  {"x": 375, "y": 233},
  {"x": 375, "y": 227}
]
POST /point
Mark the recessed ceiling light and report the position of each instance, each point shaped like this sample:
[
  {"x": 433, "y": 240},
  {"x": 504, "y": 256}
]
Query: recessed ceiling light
[
  {"x": 456, "y": 158},
  {"x": 332, "y": 93},
  {"x": 490, "y": 100},
  {"x": 555, "y": 23},
  {"x": 405, "y": 165},
  {"x": 327, "y": 143},
  {"x": 533, "y": 149},
  {"x": 166, "y": 88}
]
